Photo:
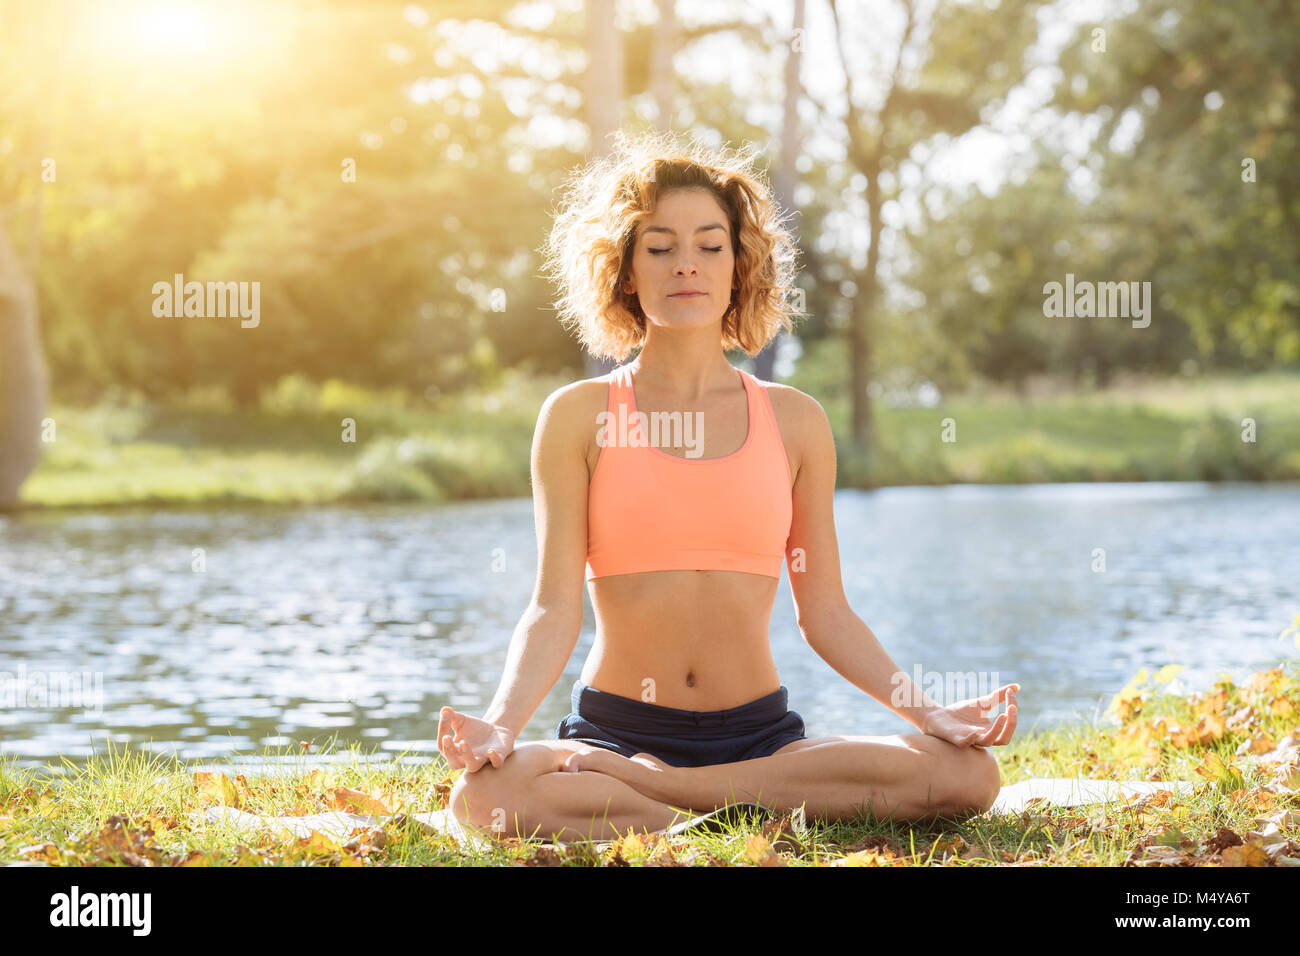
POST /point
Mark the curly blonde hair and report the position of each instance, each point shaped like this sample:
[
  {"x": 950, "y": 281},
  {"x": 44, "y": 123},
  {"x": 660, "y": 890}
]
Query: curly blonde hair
[{"x": 588, "y": 253}]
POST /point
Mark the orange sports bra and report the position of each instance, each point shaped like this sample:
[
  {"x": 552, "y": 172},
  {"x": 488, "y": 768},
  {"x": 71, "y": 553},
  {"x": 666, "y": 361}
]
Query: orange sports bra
[{"x": 648, "y": 510}]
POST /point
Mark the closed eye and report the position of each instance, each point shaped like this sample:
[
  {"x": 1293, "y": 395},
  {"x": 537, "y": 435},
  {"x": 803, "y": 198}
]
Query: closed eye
[{"x": 655, "y": 252}]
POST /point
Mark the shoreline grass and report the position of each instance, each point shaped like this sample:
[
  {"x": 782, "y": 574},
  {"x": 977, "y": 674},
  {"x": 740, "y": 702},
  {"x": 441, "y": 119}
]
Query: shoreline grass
[
  {"x": 292, "y": 450},
  {"x": 1237, "y": 742}
]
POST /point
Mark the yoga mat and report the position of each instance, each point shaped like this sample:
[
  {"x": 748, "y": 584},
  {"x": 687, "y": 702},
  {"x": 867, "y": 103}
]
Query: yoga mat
[{"x": 1057, "y": 791}]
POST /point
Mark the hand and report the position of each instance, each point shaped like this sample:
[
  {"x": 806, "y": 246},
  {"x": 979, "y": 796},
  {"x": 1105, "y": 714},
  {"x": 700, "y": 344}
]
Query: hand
[
  {"x": 471, "y": 742},
  {"x": 966, "y": 722},
  {"x": 644, "y": 773}
]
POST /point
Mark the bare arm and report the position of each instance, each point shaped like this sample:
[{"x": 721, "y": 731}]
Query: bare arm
[
  {"x": 549, "y": 627},
  {"x": 828, "y": 624}
]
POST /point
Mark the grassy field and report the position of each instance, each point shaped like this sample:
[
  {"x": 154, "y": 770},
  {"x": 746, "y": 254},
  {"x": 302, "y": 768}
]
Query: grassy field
[
  {"x": 294, "y": 449},
  {"x": 1238, "y": 743}
]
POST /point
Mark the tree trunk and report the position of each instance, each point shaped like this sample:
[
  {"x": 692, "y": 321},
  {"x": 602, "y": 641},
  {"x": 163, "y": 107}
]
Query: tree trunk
[
  {"x": 24, "y": 381},
  {"x": 604, "y": 89},
  {"x": 663, "y": 81},
  {"x": 864, "y": 310},
  {"x": 786, "y": 173}
]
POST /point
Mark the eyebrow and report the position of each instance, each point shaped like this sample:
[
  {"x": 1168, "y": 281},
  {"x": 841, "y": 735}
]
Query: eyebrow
[{"x": 673, "y": 232}]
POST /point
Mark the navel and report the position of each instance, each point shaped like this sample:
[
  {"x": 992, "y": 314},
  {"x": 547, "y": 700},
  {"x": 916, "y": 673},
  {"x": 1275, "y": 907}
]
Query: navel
[{"x": 690, "y": 679}]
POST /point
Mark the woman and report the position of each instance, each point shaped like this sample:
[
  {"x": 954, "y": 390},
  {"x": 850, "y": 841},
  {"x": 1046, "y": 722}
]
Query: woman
[{"x": 679, "y": 706}]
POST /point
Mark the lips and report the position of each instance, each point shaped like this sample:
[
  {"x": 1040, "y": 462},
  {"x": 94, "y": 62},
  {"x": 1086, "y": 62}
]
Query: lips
[{"x": 689, "y": 294}]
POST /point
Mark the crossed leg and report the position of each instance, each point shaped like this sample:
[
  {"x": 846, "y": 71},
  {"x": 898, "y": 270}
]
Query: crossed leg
[
  {"x": 895, "y": 777},
  {"x": 531, "y": 794}
]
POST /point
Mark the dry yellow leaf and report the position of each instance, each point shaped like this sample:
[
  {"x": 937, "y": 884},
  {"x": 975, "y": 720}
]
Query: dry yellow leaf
[
  {"x": 759, "y": 852},
  {"x": 1265, "y": 680},
  {"x": 1286, "y": 778},
  {"x": 217, "y": 788},
  {"x": 631, "y": 846},
  {"x": 1261, "y": 743},
  {"x": 41, "y": 852},
  {"x": 1248, "y": 854},
  {"x": 861, "y": 858},
  {"x": 345, "y": 798},
  {"x": 1213, "y": 768},
  {"x": 1214, "y": 704}
]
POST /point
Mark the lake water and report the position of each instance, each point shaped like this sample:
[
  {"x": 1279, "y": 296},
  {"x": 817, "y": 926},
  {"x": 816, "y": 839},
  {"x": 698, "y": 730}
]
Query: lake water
[{"x": 211, "y": 634}]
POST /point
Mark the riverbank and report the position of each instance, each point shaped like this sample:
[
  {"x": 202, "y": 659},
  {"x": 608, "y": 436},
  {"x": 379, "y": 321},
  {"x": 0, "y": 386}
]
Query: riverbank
[
  {"x": 1235, "y": 744},
  {"x": 310, "y": 444}
]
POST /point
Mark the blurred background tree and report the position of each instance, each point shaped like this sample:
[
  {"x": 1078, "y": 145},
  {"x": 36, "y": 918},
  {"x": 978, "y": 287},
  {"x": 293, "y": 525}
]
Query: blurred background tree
[{"x": 386, "y": 170}]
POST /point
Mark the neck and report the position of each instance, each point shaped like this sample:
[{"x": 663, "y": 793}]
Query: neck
[{"x": 684, "y": 369}]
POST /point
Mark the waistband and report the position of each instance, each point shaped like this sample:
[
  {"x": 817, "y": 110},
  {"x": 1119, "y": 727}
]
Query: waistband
[{"x": 626, "y": 713}]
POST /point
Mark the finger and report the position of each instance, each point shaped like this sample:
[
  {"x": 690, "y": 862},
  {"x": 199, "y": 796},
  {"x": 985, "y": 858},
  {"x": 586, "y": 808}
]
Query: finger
[
  {"x": 495, "y": 758},
  {"x": 988, "y": 736},
  {"x": 458, "y": 749},
  {"x": 473, "y": 762},
  {"x": 1010, "y": 728},
  {"x": 1007, "y": 719},
  {"x": 449, "y": 754},
  {"x": 456, "y": 718}
]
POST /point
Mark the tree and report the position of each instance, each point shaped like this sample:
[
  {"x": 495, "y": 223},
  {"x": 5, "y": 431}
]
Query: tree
[
  {"x": 604, "y": 99},
  {"x": 1197, "y": 151},
  {"x": 786, "y": 177},
  {"x": 970, "y": 57},
  {"x": 24, "y": 382}
]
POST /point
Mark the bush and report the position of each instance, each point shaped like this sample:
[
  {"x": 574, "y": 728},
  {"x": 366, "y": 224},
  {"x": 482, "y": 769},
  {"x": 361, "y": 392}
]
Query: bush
[
  {"x": 436, "y": 466},
  {"x": 1213, "y": 450},
  {"x": 380, "y": 476}
]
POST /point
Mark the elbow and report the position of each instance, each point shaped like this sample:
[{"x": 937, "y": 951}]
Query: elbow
[
  {"x": 814, "y": 627},
  {"x": 563, "y": 620}
]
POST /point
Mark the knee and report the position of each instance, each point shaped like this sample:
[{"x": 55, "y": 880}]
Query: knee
[
  {"x": 983, "y": 780},
  {"x": 489, "y": 795},
  {"x": 481, "y": 798}
]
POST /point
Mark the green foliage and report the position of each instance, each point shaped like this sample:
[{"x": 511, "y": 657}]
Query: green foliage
[
  {"x": 1214, "y": 450},
  {"x": 439, "y": 466}
]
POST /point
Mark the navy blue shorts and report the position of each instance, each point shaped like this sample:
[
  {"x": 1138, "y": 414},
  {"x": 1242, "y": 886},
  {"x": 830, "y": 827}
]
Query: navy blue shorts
[{"x": 681, "y": 738}]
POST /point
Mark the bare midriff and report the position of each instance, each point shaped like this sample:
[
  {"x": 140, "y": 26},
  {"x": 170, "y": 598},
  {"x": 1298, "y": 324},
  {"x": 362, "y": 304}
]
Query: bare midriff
[{"x": 693, "y": 640}]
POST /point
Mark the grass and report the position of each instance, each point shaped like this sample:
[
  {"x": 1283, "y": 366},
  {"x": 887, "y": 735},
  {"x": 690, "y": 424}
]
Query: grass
[
  {"x": 1143, "y": 430},
  {"x": 1237, "y": 742},
  {"x": 293, "y": 449}
]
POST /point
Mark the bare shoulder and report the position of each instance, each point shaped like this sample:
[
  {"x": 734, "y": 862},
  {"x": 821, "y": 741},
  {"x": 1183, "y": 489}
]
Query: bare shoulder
[
  {"x": 804, "y": 425},
  {"x": 569, "y": 416}
]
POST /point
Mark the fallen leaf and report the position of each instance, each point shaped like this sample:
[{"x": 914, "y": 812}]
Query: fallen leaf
[
  {"x": 860, "y": 858},
  {"x": 217, "y": 788},
  {"x": 1214, "y": 704},
  {"x": 547, "y": 854},
  {"x": 345, "y": 798},
  {"x": 951, "y": 845},
  {"x": 43, "y": 852},
  {"x": 1265, "y": 680},
  {"x": 1248, "y": 854},
  {"x": 759, "y": 852}
]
